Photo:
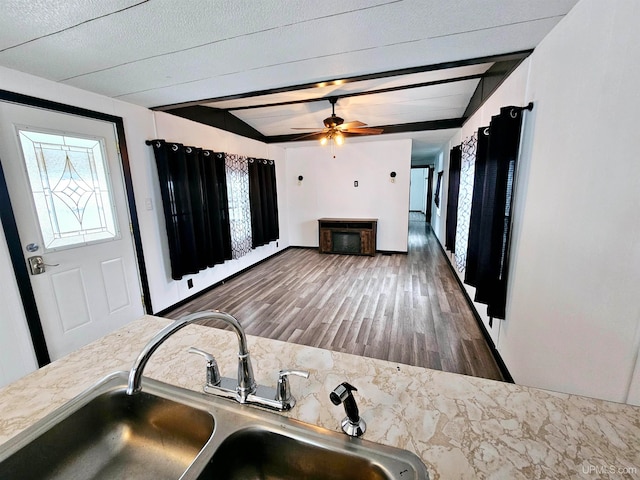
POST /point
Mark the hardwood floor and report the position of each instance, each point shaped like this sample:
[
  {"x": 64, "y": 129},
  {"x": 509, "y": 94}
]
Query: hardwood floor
[{"x": 402, "y": 308}]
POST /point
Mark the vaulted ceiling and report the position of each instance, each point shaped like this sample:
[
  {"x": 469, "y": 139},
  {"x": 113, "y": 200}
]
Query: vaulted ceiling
[{"x": 416, "y": 68}]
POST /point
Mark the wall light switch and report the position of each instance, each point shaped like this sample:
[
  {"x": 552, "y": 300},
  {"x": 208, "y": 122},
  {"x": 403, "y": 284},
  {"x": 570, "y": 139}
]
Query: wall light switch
[{"x": 355, "y": 183}]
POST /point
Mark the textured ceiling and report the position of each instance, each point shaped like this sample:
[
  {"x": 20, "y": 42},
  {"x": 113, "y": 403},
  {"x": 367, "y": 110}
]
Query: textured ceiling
[{"x": 166, "y": 52}]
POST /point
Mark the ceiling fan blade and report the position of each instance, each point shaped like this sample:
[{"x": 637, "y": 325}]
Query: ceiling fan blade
[
  {"x": 312, "y": 134},
  {"x": 354, "y": 124},
  {"x": 307, "y": 128},
  {"x": 366, "y": 131}
]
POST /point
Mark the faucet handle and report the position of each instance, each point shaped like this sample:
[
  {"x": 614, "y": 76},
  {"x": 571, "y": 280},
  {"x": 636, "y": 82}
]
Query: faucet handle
[
  {"x": 283, "y": 391},
  {"x": 213, "y": 373}
]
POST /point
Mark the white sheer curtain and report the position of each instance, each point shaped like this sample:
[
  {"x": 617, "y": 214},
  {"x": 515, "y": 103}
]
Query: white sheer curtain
[
  {"x": 467, "y": 172},
  {"x": 237, "y": 169}
]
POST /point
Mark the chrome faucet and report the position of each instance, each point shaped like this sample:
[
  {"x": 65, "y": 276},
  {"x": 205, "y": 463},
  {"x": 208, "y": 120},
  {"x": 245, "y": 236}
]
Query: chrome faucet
[
  {"x": 246, "y": 382},
  {"x": 243, "y": 390}
]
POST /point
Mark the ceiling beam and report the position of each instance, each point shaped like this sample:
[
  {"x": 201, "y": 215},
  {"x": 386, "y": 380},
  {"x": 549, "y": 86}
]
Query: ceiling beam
[
  {"x": 489, "y": 83},
  {"x": 358, "y": 78},
  {"x": 359, "y": 94},
  {"x": 215, "y": 117}
]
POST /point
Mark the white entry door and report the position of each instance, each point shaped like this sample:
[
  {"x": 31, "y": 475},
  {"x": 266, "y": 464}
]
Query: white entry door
[{"x": 65, "y": 183}]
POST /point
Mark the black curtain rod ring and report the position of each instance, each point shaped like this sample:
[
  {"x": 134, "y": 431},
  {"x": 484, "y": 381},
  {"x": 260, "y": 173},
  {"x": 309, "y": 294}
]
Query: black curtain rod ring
[
  {"x": 486, "y": 131},
  {"x": 153, "y": 143},
  {"x": 188, "y": 149},
  {"x": 515, "y": 110},
  {"x": 174, "y": 147},
  {"x": 206, "y": 153}
]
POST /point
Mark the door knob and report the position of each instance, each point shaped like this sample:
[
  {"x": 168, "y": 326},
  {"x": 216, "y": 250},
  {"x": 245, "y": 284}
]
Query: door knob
[{"x": 37, "y": 265}]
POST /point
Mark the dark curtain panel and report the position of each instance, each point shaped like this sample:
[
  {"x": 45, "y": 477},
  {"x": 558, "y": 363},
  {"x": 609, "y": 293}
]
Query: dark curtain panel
[
  {"x": 471, "y": 270},
  {"x": 429, "y": 194},
  {"x": 216, "y": 209},
  {"x": 264, "y": 201},
  {"x": 218, "y": 203},
  {"x": 495, "y": 212},
  {"x": 193, "y": 204},
  {"x": 195, "y": 189},
  {"x": 436, "y": 198},
  {"x": 455, "y": 159}
]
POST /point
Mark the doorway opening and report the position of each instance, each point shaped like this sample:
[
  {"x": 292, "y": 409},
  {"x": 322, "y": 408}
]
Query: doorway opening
[{"x": 421, "y": 193}]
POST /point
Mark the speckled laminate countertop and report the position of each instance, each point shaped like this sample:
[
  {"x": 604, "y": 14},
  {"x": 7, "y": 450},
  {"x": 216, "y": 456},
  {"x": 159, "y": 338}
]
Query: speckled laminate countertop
[{"x": 462, "y": 427}]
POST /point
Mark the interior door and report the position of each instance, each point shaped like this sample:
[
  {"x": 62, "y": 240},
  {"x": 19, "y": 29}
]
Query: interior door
[{"x": 65, "y": 182}]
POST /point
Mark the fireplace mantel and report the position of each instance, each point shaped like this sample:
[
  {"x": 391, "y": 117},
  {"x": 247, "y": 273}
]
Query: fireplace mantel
[{"x": 350, "y": 236}]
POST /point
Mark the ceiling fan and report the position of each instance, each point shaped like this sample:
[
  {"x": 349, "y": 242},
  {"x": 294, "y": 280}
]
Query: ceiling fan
[{"x": 335, "y": 127}]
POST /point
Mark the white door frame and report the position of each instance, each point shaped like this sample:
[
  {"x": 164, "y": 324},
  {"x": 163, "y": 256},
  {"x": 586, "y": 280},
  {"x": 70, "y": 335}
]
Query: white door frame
[{"x": 11, "y": 231}]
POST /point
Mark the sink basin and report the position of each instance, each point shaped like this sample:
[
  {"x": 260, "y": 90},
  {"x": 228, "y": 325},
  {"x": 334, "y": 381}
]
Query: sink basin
[
  {"x": 257, "y": 453},
  {"x": 166, "y": 432},
  {"x": 114, "y": 436}
]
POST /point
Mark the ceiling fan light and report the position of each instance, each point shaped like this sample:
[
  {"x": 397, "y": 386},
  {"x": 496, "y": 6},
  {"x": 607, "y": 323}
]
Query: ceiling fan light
[
  {"x": 323, "y": 141},
  {"x": 339, "y": 138}
]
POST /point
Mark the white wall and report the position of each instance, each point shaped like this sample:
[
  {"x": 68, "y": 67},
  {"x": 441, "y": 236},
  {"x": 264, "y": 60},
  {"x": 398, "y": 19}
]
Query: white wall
[
  {"x": 17, "y": 357},
  {"x": 573, "y": 312},
  {"x": 577, "y": 277},
  {"x": 418, "y": 190},
  {"x": 328, "y": 189}
]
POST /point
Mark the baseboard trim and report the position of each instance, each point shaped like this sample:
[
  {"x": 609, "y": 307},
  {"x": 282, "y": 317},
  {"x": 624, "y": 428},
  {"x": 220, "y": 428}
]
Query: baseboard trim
[
  {"x": 381, "y": 252},
  {"x": 494, "y": 351}
]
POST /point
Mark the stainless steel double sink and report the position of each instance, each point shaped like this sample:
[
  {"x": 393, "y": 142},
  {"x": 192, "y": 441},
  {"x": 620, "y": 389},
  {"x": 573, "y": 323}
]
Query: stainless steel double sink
[{"x": 166, "y": 432}]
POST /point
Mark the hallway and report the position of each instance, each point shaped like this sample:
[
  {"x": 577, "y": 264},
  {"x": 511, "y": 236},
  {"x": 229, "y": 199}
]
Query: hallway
[{"x": 402, "y": 308}]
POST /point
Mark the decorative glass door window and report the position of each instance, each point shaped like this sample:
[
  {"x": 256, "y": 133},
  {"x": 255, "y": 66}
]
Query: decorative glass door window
[{"x": 69, "y": 180}]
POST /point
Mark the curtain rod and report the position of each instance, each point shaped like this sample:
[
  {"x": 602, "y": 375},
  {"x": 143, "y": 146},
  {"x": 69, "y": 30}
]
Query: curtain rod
[{"x": 174, "y": 147}]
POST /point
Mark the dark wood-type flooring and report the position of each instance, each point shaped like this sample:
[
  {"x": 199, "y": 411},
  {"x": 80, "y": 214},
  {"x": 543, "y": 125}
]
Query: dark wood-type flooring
[{"x": 405, "y": 308}]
